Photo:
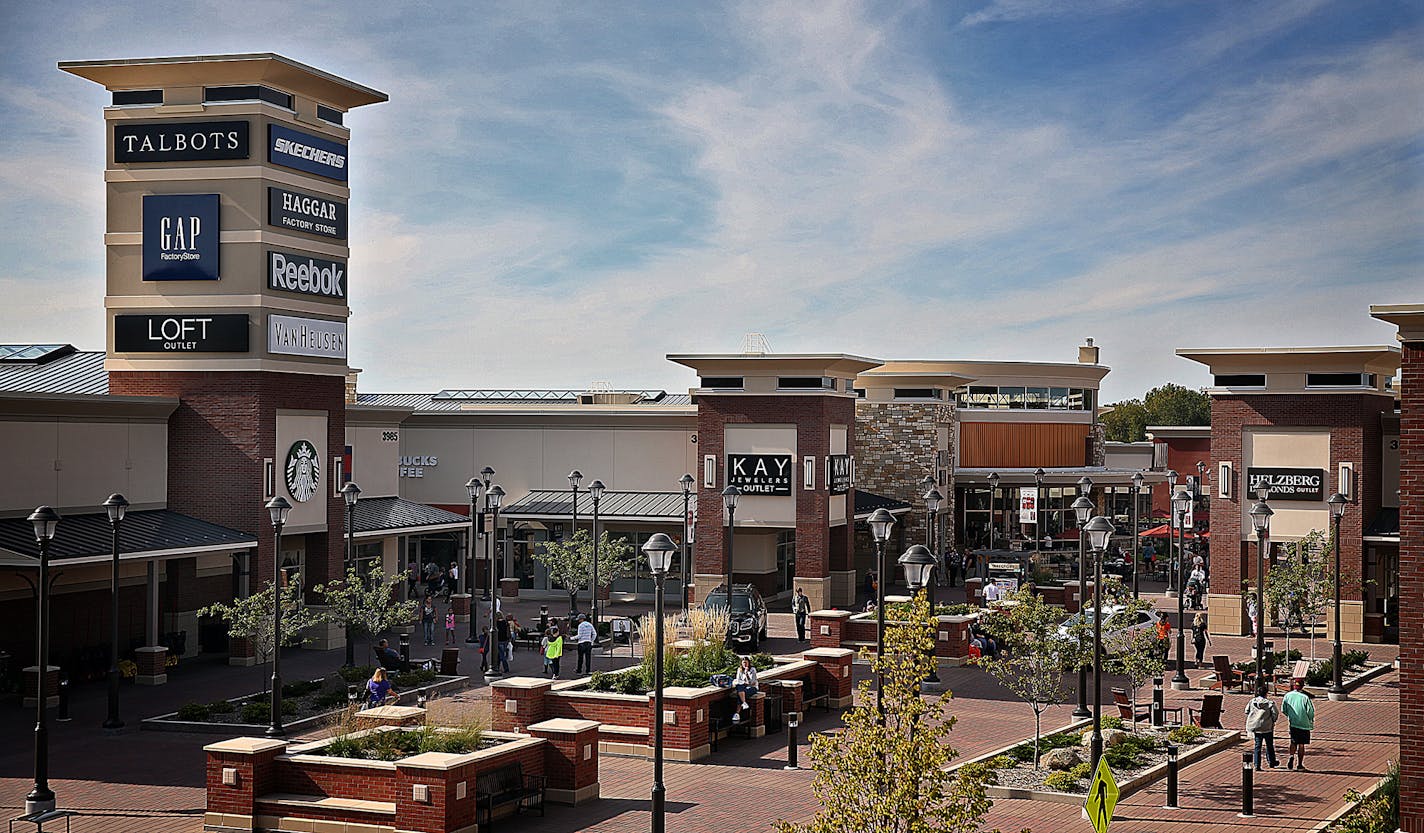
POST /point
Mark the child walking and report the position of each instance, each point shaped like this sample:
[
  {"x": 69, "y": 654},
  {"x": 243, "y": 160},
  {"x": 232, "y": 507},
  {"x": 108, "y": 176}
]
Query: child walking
[{"x": 450, "y": 627}]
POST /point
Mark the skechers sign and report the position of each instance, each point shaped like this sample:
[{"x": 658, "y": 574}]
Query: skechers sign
[
  {"x": 303, "y": 212},
  {"x": 304, "y": 152},
  {"x": 181, "y": 141},
  {"x": 1288, "y": 484},
  {"x": 180, "y": 333},
  {"x": 306, "y": 337},
  {"x": 306, "y": 274},
  {"x": 180, "y": 237},
  {"x": 760, "y": 474}
]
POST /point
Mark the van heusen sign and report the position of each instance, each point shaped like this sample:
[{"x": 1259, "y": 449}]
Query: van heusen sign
[
  {"x": 181, "y": 141},
  {"x": 306, "y": 337},
  {"x": 306, "y": 274},
  {"x": 295, "y": 211},
  {"x": 760, "y": 474},
  {"x": 1288, "y": 484},
  {"x": 180, "y": 237},
  {"x": 180, "y": 334},
  {"x": 305, "y": 152}
]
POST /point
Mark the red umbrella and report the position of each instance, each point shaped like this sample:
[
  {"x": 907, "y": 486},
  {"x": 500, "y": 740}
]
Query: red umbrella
[{"x": 1165, "y": 530}]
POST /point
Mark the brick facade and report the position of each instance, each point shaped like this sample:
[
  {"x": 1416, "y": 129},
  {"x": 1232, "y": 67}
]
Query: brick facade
[
  {"x": 899, "y": 446},
  {"x": 1411, "y": 589}
]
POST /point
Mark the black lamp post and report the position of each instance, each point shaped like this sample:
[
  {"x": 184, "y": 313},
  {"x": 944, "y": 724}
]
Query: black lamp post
[
  {"x": 350, "y": 492},
  {"x": 277, "y": 508},
  {"x": 880, "y": 523},
  {"x": 659, "y": 550},
  {"x": 575, "y": 478},
  {"x": 729, "y": 502},
  {"x": 687, "y": 483},
  {"x": 1099, "y": 530},
  {"x": 1038, "y": 475},
  {"x": 494, "y": 495},
  {"x": 1337, "y": 688},
  {"x": 116, "y": 505},
  {"x": 41, "y": 797},
  {"x": 1172, "y": 529},
  {"x": 485, "y": 473},
  {"x": 1136, "y": 491},
  {"x": 476, "y": 488},
  {"x": 1082, "y": 511},
  {"x": 993, "y": 496},
  {"x": 595, "y": 491},
  {"x": 919, "y": 566},
  {"x": 1261, "y": 519},
  {"x": 933, "y": 500},
  {"x": 1181, "y": 502}
]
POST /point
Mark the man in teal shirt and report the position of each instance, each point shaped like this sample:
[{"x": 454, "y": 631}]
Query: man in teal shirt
[{"x": 1300, "y": 710}]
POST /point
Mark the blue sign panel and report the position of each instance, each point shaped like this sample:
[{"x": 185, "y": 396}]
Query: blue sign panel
[
  {"x": 305, "y": 152},
  {"x": 180, "y": 237}
]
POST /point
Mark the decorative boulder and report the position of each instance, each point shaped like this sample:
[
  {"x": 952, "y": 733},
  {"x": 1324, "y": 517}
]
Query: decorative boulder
[
  {"x": 1062, "y": 759},
  {"x": 1115, "y": 737},
  {"x": 333, "y": 682}
]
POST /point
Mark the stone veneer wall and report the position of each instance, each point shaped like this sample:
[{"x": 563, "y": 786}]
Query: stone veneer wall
[{"x": 898, "y": 445}]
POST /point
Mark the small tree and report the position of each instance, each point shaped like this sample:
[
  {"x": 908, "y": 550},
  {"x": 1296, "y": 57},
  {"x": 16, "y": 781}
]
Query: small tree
[
  {"x": 570, "y": 562},
  {"x": 1136, "y": 654},
  {"x": 1033, "y": 655},
  {"x": 891, "y": 778},
  {"x": 365, "y": 606},
  {"x": 1302, "y": 584},
  {"x": 250, "y": 619}
]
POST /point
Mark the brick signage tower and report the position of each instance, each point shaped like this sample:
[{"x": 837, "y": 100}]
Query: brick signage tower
[
  {"x": 226, "y": 237},
  {"x": 1307, "y": 422},
  {"x": 780, "y": 427},
  {"x": 1409, "y": 318}
]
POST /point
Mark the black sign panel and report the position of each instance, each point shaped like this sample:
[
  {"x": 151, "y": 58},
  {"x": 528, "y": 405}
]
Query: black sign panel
[
  {"x": 181, "y": 141},
  {"x": 176, "y": 333},
  {"x": 293, "y": 211},
  {"x": 760, "y": 474},
  {"x": 306, "y": 274},
  {"x": 1288, "y": 484},
  {"x": 305, "y": 152},
  {"x": 838, "y": 480},
  {"x": 180, "y": 237}
]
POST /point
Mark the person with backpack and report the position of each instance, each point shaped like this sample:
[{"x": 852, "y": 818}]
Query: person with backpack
[
  {"x": 1300, "y": 710},
  {"x": 1261, "y": 716}
]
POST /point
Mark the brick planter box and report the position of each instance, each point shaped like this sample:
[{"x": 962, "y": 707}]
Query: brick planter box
[{"x": 951, "y": 634}]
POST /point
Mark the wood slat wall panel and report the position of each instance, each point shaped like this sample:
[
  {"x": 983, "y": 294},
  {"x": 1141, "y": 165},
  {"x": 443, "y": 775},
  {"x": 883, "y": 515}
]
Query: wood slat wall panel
[{"x": 1021, "y": 444}]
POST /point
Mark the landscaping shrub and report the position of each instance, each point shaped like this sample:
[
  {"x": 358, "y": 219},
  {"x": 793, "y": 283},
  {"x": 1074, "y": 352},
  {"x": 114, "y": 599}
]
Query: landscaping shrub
[
  {"x": 255, "y": 712},
  {"x": 357, "y": 673},
  {"x": 1378, "y": 814},
  {"x": 692, "y": 668},
  {"x": 402, "y": 743},
  {"x": 331, "y": 700},
  {"x": 1082, "y": 770},
  {"x": 412, "y": 679},
  {"x": 288, "y": 706},
  {"x": 1354, "y": 659},
  {"x": 1063, "y": 782},
  {"x": 194, "y": 711},
  {"x": 222, "y": 707},
  {"x": 1003, "y": 762},
  {"x": 1185, "y": 734},
  {"x": 300, "y": 688},
  {"x": 1112, "y": 722},
  {"x": 1063, "y": 740}
]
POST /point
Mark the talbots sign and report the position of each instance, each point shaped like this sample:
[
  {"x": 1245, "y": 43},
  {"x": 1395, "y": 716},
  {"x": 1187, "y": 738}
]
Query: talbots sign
[
  {"x": 180, "y": 334},
  {"x": 303, "y": 470},
  {"x": 295, "y": 211},
  {"x": 180, "y": 237},
  {"x": 305, "y": 152},
  {"x": 306, "y": 337},
  {"x": 1288, "y": 484},
  {"x": 306, "y": 274},
  {"x": 760, "y": 474},
  {"x": 181, "y": 141}
]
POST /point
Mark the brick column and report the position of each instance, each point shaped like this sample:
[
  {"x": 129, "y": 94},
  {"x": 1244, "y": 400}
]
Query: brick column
[
  {"x": 32, "y": 688},
  {"x": 570, "y": 758},
  {"x": 686, "y": 728},
  {"x": 835, "y": 673},
  {"x": 152, "y": 668},
  {"x": 517, "y": 702},
  {"x": 509, "y": 588},
  {"x": 390, "y": 716},
  {"x": 828, "y": 628},
  {"x": 460, "y": 604},
  {"x": 793, "y": 693},
  {"x": 1411, "y": 585},
  {"x": 238, "y": 771},
  {"x": 240, "y": 652},
  {"x": 974, "y": 590}
]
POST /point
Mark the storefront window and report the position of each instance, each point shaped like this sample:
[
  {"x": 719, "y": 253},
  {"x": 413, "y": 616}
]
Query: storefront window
[
  {"x": 785, "y": 560},
  {"x": 1013, "y": 397}
]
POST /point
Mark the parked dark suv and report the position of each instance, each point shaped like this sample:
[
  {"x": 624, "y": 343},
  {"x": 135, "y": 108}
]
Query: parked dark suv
[{"x": 748, "y": 619}]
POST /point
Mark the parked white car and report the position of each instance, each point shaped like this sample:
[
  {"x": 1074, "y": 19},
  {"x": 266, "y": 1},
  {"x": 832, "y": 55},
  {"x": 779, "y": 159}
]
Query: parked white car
[{"x": 1114, "y": 626}]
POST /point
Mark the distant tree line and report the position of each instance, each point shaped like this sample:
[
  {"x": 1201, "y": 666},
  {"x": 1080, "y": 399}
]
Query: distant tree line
[{"x": 1170, "y": 404}]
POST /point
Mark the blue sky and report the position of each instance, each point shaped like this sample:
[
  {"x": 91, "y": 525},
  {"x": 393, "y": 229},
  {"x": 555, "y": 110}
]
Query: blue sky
[{"x": 562, "y": 193}]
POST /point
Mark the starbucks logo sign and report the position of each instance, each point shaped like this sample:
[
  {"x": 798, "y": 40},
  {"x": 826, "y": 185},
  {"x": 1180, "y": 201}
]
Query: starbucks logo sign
[{"x": 303, "y": 470}]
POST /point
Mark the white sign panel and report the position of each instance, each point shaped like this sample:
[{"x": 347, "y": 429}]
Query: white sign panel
[
  {"x": 306, "y": 337},
  {"x": 1028, "y": 505}
]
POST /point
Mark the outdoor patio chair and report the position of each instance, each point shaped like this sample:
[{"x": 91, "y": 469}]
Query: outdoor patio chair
[
  {"x": 1226, "y": 676},
  {"x": 1124, "y": 706},
  {"x": 1209, "y": 715}
]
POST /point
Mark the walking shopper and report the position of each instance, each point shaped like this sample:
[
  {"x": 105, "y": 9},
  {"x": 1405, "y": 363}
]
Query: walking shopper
[
  {"x": 1200, "y": 639},
  {"x": 1253, "y": 614},
  {"x": 801, "y": 606},
  {"x": 1300, "y": 710},
  {"x": 1261, "y": 716},
  {"x": 427, "y": 619},
  {"x": 585, "y": 638},
  {"x": 485, "y": 649},
  {"x": 450, "y": 627},
  {"x": 553, "y": 649},
  {"x": 502, "y": 645}
]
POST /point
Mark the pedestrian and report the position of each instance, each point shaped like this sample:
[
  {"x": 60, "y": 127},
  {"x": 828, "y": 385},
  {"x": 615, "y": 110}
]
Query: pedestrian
[
  {"x": 1300, "y": 710},
  {"x": 991, "y": 593},
  {"x": 869, "y": 585},
  {"x": 484, "y": 649},
  {"x": 801, "y": 607},
  {"x": 1200, "y": 639},
  {"x": 745, "y": 685},
  {"x": 1254, "y": 615},
  {"x": 956, "y": 566},
  {"x": 502, "y": 638},
  {"x": 450, "y": 627},
  {"x": 379, "y": 690},
  {"x": 1261, "y": 716},
  {"x": 427, "y": 619},
  {"x": 553, "y": 645},
  {"x": 584, "y": 643}
]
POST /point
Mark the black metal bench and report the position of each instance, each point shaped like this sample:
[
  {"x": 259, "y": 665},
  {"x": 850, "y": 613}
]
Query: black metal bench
[
  {"x": 504, "y": 787},
  {"x": 815, "y": 694},
  {"x": 719, "y": 718}
]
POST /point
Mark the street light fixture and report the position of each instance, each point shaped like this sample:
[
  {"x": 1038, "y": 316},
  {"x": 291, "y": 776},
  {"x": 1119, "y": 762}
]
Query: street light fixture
[
  {"x": 476, "y": 488},
  {"x": 350, "y": 492},
  {"x": 595, "y": 491},
  {"x": 687, "y": 482},
  {"x": 1261, "y": 520},
  {"x": 919, "y": 565},
  {"x": 1082, "y": 512},
  {"x": 41, "y": 797},
  {"x": 1099, "y": 531},
  {"x": 880, "y": 523},
  {"x": 993, "y": 496},
  {"x": 729, "y": 502},
  {"x": 1136, "y": 490},
  {"x": 116, "y": 506},
  {"x": 1038, "y": 475},
  {"x": 494, "y": 495},
  {"x": 1337, "y": 687},
  {"x": 659, "y": 550},
  {"x": 1181, "y": 503},
  {"x": 277, "y": 509}
]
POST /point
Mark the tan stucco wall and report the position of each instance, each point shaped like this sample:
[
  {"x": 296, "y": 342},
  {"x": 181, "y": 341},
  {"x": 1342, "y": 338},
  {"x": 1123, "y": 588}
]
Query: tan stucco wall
[
  {"x": 1287, "y": 448},
  {"x": 75, "y": 465}
]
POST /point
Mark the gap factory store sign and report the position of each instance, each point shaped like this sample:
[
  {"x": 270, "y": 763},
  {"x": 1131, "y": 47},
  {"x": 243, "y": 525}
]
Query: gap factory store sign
[
  {"x": 180, "y": 237},
  {"x": 1288, "y": 484},
  {"x": 292, "y": 336},
  {"x": 760, "y": 474}
]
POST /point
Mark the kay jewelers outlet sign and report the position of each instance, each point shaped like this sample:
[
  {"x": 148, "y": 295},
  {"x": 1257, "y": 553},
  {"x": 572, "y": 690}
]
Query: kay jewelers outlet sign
[
  {"x": 1288, "y": 484},
  {"x": 760, "y": 474}
]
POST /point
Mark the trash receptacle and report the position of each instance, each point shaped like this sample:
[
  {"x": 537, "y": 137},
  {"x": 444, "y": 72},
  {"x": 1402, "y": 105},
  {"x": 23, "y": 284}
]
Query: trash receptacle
[
  {"x": 774, "y": 695},
  {"x": 450, "y": 662}
]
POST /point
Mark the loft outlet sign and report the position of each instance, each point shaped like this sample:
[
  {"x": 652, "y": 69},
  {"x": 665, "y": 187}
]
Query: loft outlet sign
[
  {"x": 180, "y": 334},
  {"x": 288, "y": 335},
  {"x": 295, "y": 211},
  {"x": 305, "y": 152},
  {"x": 760, "y": 474},
  {"x": 1288, "y": 484},
  {"x": 181, "y": 141},
  {"x": 180, "y": 237}
]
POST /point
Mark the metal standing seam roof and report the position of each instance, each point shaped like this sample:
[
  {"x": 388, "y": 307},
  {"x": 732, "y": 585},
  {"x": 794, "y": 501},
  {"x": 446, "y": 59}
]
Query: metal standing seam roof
[
  {"x": 556, "y": 503},
  {"x": 76, "y": 373},
  {"x": 144, "y": 534},
  {"x": 384, "y": 514},
  {"x": 868, "y": 502},
  {"x": 463, "y": 400}
]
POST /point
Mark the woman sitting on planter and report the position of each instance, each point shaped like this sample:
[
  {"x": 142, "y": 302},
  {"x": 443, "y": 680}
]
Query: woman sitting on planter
[
  {"x": 745, "y": 684},
  {"x": 379, "y": 691}
]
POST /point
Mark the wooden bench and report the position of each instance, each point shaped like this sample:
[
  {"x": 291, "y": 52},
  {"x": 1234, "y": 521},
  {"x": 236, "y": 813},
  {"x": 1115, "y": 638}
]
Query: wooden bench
[{"x": 504, "y": 787}]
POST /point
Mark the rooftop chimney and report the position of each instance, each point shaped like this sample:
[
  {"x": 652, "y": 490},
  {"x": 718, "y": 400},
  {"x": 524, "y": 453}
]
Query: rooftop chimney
[
  {"x": 351, "y": 374},
  {"x": 1087, "y": 353}
]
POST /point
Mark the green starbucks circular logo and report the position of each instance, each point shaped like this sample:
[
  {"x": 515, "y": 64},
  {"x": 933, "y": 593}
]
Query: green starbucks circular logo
[{"x": 303, "y": 470}]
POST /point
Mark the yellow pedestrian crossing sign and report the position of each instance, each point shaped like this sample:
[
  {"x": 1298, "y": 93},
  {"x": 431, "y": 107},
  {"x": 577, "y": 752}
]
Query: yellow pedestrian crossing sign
[{"x": 1102, "y": 797}]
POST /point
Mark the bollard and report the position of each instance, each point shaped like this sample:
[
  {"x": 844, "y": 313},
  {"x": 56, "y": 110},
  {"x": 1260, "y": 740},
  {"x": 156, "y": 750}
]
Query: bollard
[
  {"x": 63, "y": 713},
  {"x": 1171, "y": 777},
  {"x": 1157, "y": 701},
  {"x": 405, "y": 651},
  {"x": 792, "y": 722},
  {"x": 1248, "y": 799}
]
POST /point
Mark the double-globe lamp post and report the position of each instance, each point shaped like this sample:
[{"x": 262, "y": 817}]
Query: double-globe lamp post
[
  {"x": 476, "y": 489},
  {"x": 494, "y": 496},
  {"x": 993, "y": 515},
  {"x": 1261, "y": 520},
  {"x": 41, "y": 797},
  {"x": 116, "y": 506},
  {"x": 919, "y": 565},
  {"x": 687, "y": 483},
  {"x": 1082, "y": 511},
  {"x": 575, "y": 478},
  {"x": 1099, "y": 531},
  {"x": 1181, "y": 503},
  {"x": 1337, "y": 687},
  {"x": 350, "y": 493},
  {"x": 1136, "y": 490},
  {"x": 659, "y": 550},
  {"x": 277, "y": 508},
  {"x": 1172, "y": 529},
  {"x": 729, "y": 502},
  {"x": 595, "y": 491},
  {"x": 880, "y": 523}
]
